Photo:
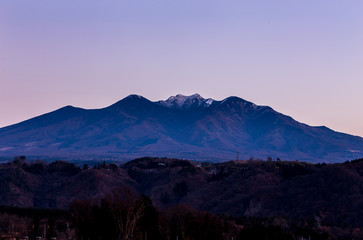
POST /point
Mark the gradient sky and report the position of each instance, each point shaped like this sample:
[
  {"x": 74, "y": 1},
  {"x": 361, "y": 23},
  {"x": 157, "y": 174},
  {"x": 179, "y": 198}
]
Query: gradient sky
[{"x": 303, "y": 58}]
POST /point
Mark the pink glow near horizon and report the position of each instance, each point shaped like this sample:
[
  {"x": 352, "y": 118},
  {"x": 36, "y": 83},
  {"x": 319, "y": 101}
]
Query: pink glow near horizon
[{"x": 304, "y": 59}]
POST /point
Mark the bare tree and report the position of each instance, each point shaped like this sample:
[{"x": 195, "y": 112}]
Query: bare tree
[{"x": 127, "y": 211}]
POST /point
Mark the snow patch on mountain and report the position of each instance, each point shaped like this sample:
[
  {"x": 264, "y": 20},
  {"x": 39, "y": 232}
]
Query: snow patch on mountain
[
  {"x": 186, "y": 102},
  {"x": 209, "y": 101},
  {"x": 6, "y": 149}
]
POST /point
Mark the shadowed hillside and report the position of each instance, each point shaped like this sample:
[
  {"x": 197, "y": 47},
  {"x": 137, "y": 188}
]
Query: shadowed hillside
[{"x": 331, "y": 192}]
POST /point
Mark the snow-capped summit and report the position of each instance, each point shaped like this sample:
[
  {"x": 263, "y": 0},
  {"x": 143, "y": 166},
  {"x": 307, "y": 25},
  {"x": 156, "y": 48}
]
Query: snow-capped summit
[{"x": 186, "y": 102}]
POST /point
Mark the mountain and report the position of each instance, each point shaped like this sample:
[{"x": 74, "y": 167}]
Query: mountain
[
  {"x": 182, "y": 126},
  {"x": 186, "y": 102}
]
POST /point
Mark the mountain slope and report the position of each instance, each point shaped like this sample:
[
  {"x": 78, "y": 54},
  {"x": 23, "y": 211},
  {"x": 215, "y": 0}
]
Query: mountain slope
[{"x": 182, "y": 126}]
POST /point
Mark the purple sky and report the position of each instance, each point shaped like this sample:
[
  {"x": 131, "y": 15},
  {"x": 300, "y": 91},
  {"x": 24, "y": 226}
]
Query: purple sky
[{"x": 303, "y": 58}]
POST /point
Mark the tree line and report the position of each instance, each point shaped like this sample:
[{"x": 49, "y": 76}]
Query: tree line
[{"x": 123, "y": 215}]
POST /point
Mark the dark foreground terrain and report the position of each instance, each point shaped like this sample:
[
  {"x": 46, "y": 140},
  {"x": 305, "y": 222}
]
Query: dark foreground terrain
[{"x": 152, "y": 198}]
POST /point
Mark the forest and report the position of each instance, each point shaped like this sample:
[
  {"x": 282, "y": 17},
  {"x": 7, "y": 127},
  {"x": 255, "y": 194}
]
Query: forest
[{"x": 157, "y": 198}]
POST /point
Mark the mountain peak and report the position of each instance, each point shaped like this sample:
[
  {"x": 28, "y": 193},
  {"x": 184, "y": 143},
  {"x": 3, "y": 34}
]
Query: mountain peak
[
  {"x": 181, "y": 97},
  {"x": 186, "y": 102},
  {"x": 130, "y": 101},
  {"x": 133, "y": 96}
]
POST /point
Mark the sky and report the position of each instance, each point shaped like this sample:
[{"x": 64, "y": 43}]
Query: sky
[{"x": 302, "y": 58}]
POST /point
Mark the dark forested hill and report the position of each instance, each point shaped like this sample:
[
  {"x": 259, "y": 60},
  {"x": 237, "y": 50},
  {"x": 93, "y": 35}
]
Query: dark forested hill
[
  {"x": 181, "y": 127},
  {"x": 330, "y": 192}
]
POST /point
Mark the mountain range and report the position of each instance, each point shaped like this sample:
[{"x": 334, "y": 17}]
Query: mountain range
[{"x": 189, "y": 127}]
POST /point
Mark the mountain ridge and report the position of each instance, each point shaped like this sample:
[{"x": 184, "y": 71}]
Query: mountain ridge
[{"x": 189, "y": 127}]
